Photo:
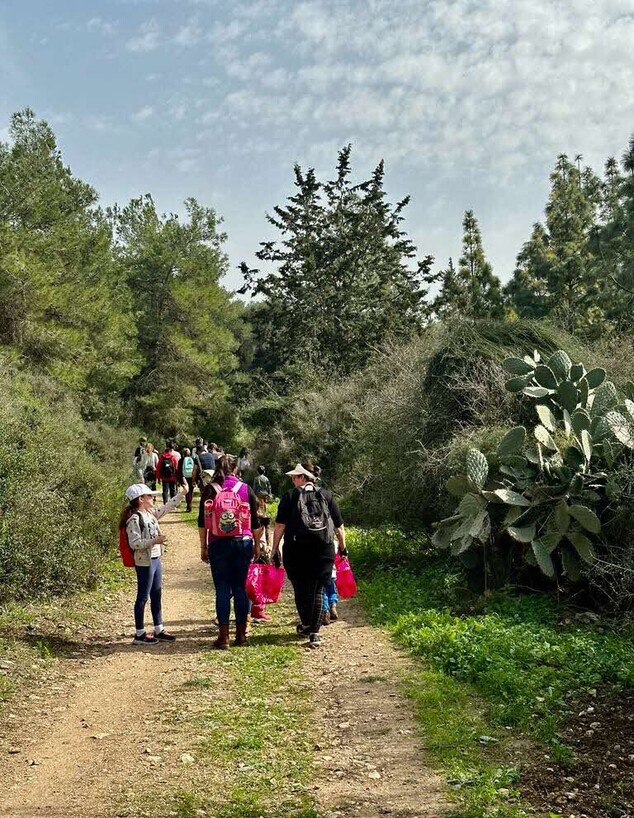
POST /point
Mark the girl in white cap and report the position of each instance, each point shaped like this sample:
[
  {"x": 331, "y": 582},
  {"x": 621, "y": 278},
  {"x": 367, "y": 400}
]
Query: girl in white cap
[{"x": 140, "y": 519}]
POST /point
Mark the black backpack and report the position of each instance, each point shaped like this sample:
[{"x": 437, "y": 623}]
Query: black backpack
[
  {"x": 313, "y": 520},
  {"x": 167, "y": 467}
]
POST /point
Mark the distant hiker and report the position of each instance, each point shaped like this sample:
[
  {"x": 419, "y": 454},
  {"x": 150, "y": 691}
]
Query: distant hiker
[
  {"x": 309, "y": 520},
  {"x": 167, "y": 471},
  {"x": 140, "y": 519},
  {"x": 148, "y": 464},
  {"x": 262, "y": 484},
  {"x": 203, "y": 461},
  {"x": 186, "y": 472},
  {"x": 244, "y": 462},
  {"x": 136, "y": 458},
  {"x": 227, "y": 527}
]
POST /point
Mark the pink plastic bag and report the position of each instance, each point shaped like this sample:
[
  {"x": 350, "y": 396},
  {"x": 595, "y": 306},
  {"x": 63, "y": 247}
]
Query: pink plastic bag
[
  {"x": 264, "y": 583},
  {"x": 345, "y": 582}
]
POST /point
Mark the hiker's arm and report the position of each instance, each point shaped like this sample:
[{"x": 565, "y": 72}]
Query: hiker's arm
[
  {"x": 171, "y": 503},
  {"x": 340, "y": 534},
  {"x": 278, "y": 533}
]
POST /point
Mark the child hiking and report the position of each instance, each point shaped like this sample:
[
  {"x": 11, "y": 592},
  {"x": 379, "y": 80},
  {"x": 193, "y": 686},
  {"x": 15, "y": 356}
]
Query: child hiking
[{"x": 140, "y": 520}]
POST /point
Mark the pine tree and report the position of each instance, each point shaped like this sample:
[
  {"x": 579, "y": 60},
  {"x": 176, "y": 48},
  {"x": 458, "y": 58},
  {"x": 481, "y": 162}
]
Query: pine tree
[
  {"x": 556, "y": 271},
  {"x": 346, "y": 277},
  {"x": 479, "y": 292},
  {"x": 185, "y": 321}
]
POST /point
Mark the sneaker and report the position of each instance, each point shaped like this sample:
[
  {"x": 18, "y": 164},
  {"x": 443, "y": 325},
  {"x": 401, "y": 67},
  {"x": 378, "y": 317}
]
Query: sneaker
[
  {"x": 325, "y": 618},
  {"x": 165, "y": 636},
  {"x": 314, "y": 641},
  {"x": 333, "y": 613},
  {"x": 145, "y": 639},
  {"x": 302, "y": 630}
]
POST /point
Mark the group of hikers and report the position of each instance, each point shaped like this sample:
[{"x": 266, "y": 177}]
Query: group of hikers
[{"x": 233, "y": 527}]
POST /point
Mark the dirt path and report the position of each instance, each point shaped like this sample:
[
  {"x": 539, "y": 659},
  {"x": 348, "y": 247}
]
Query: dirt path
[{"x": 90, "y": 738}]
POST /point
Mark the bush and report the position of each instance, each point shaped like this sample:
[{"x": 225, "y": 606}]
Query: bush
[{"x": 58, "y": 504}]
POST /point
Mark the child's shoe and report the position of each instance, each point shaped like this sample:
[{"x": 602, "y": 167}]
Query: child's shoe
[
  {"x": 314, "y": 641},
  {"x": 145, "y": 639},
  {"x": 333, "y": 613},
  {"x": 165, "y": 636}
]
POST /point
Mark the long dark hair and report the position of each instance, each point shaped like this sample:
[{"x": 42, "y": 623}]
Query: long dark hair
[
  {"x": 127, "y": 511},
  {"x": 225, "y": 465}
]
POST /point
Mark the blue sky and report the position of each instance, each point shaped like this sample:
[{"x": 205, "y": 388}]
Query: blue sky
[{"x": 467, "y": 101}]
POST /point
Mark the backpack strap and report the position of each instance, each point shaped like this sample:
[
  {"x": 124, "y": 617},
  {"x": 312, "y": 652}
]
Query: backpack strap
[
  {"x": 141, "y": 521},
  {"x": 237, "y": 487}
]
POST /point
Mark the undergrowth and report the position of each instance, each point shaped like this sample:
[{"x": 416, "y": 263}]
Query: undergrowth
[{"x": 496, "y": 667}]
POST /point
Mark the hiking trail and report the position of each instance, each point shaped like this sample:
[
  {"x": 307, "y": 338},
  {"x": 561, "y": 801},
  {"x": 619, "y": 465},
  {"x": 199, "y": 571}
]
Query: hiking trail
[{"x": 108, "y": 721}]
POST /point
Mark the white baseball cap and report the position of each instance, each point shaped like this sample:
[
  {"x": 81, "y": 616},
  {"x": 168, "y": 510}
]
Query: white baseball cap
[{"x": 137, "y": 490}]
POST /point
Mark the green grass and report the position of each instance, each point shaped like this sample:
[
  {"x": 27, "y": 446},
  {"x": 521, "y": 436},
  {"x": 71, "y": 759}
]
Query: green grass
[
  {"x": 492, "y": 669},
  {"x": 253, "y": 735}
]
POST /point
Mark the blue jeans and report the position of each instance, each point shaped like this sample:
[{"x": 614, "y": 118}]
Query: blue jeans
[
  {"x": 149, "y": 579},
  {"x": 229, "y": 560},
  {"x": 330, "y": 594}
]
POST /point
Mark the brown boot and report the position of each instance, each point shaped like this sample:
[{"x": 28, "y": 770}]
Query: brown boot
[
  {"x": 222, "y": 642},
  {"x": 241, "y": 634}
]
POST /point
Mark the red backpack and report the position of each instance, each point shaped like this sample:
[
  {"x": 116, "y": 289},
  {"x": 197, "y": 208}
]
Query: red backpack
[
  {"x": 227, "y": 515},
  {"x": 127, "y": 553}
]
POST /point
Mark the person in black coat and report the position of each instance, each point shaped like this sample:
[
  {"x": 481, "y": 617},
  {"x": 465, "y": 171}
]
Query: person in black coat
[{"x": 308, "y": 555}]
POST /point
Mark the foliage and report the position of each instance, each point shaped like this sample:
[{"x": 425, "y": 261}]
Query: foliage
[
  {"x": 472, "y": 291},
  {"x": 183, "y": 317},
  {"x": 58, "y": 506},
  {"x": 342, "y": 281},
  {"x": 529, "y": 658},
  {"x": 546, "y": 488},
  {"x": 57, "y": 280}
]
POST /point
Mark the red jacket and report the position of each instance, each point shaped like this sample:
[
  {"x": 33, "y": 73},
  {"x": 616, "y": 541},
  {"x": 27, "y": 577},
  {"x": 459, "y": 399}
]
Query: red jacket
[{"x": 159, "y": 468}]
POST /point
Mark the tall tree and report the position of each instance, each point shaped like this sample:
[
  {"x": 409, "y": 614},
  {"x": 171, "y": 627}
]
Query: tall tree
[
  {"x": 472, "y": 290},
  {"x": 556, "y": 272},
  {"x": 612, "y": 239},
  {"x": 186, "y": 322},
  {"x": 58, "y": 287},
  {"x": 345, "y": 276}
]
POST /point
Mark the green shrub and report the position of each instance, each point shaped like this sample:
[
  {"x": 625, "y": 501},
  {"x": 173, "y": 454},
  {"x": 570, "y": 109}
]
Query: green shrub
[
  {"x": 528, "y": 657},
  {"x": 58, "y": 504}
]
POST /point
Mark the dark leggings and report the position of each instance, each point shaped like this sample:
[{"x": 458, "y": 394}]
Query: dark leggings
[
  {"x": 149, "y": 580},
  {"x": 309, "y": 601}
]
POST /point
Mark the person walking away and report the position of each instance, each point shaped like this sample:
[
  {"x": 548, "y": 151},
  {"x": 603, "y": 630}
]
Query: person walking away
[
  {"x": 136, "y": 459},
  {"x": 229, "y": 538},
  {"x": 167, "y": 471},
  {"x": 140, "y": 519},
  {"x": 186, "y": 469},
  {"x": 148, "y": 464},
  {"x": 309, "y": 519},
  {"x": 262, "y": 484},
  {"x": 203, "y": 461},
  {"x": 244, "y": 462}
]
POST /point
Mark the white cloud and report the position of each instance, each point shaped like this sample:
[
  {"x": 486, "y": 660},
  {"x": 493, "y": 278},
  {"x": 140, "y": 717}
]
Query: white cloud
[
  {"x": 147, "y": 40},
  {"x": 190, "y": 34},
  {"x": 143, "y": 114},
  {"x": 106, "y": 27}
]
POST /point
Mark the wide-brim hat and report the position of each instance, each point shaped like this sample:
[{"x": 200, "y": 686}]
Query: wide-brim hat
[
  {"x": 138, "y": 490},
  {"x": 299, "y": 469}
]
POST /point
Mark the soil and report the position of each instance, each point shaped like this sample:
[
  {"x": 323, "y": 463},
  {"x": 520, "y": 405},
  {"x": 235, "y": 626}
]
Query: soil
[
  {"x": 86, "y": 738},
  {"x": 599, "y": 782}
]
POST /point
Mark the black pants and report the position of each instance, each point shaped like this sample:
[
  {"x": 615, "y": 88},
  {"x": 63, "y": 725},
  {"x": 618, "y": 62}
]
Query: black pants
[{"x": 309, "y": 601}]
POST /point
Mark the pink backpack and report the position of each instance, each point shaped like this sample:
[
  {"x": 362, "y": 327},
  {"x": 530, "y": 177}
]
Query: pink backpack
[{"x": 228, "y": 515}]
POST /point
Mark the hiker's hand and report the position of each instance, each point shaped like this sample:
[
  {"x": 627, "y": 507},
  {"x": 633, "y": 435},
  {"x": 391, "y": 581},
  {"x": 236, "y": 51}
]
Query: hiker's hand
[
  {"x": 277, "y": 560},
  {"x": 183, "y": 488},
  {"x": 160, "y": 539},
  {"x": 343, "y": 552},
  {"x": 204, "y": 555}
]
